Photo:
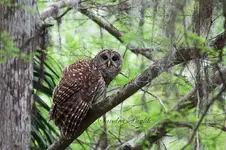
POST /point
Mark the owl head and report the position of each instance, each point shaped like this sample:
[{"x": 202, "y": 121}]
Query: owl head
[{"x": 109, "y": 63}]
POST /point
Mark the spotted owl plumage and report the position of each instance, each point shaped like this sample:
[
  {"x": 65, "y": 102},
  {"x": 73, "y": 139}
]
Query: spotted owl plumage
[{"x": 82, "y": 84}]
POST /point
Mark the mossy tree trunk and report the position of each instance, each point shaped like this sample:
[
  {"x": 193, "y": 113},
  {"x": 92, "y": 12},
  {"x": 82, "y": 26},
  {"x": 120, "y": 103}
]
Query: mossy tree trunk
[{"x": 17, "y": 32}]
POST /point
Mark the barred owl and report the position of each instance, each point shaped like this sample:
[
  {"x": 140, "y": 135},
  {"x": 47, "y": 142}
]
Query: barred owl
[{"x": 82, "y": 84}]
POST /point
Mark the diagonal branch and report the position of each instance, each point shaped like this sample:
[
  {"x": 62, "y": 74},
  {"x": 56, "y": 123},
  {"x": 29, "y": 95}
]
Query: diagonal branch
[
  {"x": 103, "y": 24},
  {"x": 147, "y": 52},
  {"x": 129, "y": 89},
  {"x": 53, "y": 11}
]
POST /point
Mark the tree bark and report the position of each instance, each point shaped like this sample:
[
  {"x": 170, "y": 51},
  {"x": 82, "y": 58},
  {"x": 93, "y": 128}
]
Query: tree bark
[{"x": 17, "y": 28}]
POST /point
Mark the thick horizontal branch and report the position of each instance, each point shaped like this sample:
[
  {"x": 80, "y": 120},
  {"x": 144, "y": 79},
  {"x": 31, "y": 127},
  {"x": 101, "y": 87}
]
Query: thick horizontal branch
[{"x": 129, "y": 89}]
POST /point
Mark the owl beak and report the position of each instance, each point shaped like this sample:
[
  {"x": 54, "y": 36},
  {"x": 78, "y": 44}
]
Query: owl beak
[{"x": 109, "y": 64}]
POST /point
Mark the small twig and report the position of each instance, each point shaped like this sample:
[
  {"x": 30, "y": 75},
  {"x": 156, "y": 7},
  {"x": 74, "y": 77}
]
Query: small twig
[
  {"x": 202, "y": 117},
  {"x": 64, "y": 13}
]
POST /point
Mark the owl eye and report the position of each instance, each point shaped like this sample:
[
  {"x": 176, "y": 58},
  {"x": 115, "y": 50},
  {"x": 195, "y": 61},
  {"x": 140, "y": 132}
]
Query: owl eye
[
  {"x": 114, "y": 58},
  {"x": 104, "y": 57}
]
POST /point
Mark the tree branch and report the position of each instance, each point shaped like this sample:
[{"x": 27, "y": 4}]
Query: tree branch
[
  {"x": 202, "y": 117},
  {"x": 217, "y": 126},
  {"x": 162, "y": 65},
  {"x": 215, "y": 80},
  {"x": 53, "y": 10},
  {"x": 129, "y": 89},
  {"x": 182, "y": 55},
  {"x": 147, "y": 52},
  {"x": 153, "y": 134}
]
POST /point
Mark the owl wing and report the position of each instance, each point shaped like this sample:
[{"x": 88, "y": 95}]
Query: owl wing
[
  {"x": 75, "y": 111},
  {"x": 73, "y": 97},
  {"x": 65, "y": 89}
]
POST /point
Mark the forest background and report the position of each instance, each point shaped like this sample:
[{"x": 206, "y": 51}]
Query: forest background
[{"x": 170, "y": 93}]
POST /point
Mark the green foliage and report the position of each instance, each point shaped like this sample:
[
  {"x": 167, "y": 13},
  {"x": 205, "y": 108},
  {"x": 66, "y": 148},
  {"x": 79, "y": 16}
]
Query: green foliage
[
  {"x": 45, "y": 77},
  {"x": 8, "y": 48},
  {"x": 194, "y": 39},
  {"x": 81, "y": 38},
  {"x": 215, "y": 140},
  {"x": 8, "y": 3}
]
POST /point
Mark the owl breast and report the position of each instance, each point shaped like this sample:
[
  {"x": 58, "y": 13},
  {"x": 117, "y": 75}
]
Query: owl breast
[
  {"x": 94, "y": 86},
  {"x": 100, "y": 91}
]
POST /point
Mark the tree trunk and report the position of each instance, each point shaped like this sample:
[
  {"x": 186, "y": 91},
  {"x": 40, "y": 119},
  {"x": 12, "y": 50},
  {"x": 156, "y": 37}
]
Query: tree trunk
[{"x": 17, "y": 29}]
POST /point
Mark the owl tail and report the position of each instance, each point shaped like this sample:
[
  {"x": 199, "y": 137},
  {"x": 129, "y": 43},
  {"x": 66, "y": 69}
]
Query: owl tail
[
  {"x": 69, "y": 115},
  {"x": 74, "y": 118}
]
